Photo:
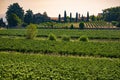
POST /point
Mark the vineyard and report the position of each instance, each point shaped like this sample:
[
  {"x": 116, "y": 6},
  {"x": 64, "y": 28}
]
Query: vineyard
[
  {"x": 69, "y": 45},
  {"x": 92, "y": 34},
  {"x": 16, "y": 66},
  {"x": 99, "y": 24},
  {"x": 44, "y": 59},
  {"x": 93, "y": 24},
  {"x": 104, "y": 49}
]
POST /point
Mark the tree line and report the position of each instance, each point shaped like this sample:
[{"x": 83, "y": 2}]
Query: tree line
[
  {"x": 16, "y": 17},
  {"x": 112, "y": 15}
]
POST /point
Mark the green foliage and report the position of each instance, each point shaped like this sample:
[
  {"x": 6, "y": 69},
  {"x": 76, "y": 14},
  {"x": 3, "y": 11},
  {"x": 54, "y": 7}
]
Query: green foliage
[
  {"x": 99, "y": 25},
  {"x": 28, "y": 17},
  {"x": 88, "y": 16},
  {"x": 40, "y": 18},
  {"x": 31, "y": 31},
  {"x": 83, "y": 38},
  {"x": 41, "y": 67},
  {"x": 112, "y": 14},
  {"x": 116, "y": 23},
  {"x": 93, "y": 17},
  {"x": 59, "y": 18},
  {"x": 65, "y": 16},
  {"x": 102, "y": 49},
  {"x": 65, "y": 38},
  {"x": 71, "y": 27},
  {"x": 81, "y": 25},
  {"x": 70, "y": 17},
  {"x": 82, "y": 18},
  {"x": 52, "y": 37},
  {"x": 92, "y": 34},
  {"x": 13, "y": 11},
  {"x": 90, "y": 24},
  {"x": 14, "y": 20},
  {"x": 76, "y": 19}
]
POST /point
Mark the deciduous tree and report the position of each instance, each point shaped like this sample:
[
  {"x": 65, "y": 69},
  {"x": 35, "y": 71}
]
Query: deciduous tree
[
  {"x": 13, "y": 11},
  {"x": 28, "y": 17}
]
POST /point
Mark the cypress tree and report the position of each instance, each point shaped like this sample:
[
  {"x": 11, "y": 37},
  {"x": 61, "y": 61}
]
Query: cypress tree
[
  {"x": 88, "y": 16},
  {"x": 70, "y": 17},
  {"x": 59, "y": 18},
  {"x": 65, "y": 16},
  {"x": 79, "y": 17},
  {"x": 82, "y": 18},
  {"x": 76, "y": 20}
]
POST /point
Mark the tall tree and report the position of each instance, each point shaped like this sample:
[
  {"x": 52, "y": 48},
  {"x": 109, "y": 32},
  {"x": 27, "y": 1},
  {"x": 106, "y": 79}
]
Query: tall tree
[
  {"x": 14, "y": 9},
  {"x": 70, "y": 17},
  {"x": 76, "y": 19},
  {"x": 82, "y": 18},
  {"x": 112, "y": 14},
  {"x": 88, "y": 16},
  {"x": 39, "y": 18},
  {"x": 59, "y": 18},
  {"x": 93, "y": 18},
  {"x": 45, "y": 17},
  {"x": 65, "y": 16},
  {"x": 79, "y": 17},
  {"x": 14, "y": 20},
  {"x": 28, "y": 17}
]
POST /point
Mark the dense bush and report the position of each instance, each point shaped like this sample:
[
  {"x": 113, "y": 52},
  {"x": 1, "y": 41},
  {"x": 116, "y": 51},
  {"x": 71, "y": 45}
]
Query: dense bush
[
  {"x": 31, "y": 31},
  {"x": 81, "y": 25},
  {"x": 84, "y": 38},
  {"x": 52, "y": 37},
  {"x": 116, "y": 23},
  {"x": 65, "y": 38},
  {"x": 71, "y": 27}
]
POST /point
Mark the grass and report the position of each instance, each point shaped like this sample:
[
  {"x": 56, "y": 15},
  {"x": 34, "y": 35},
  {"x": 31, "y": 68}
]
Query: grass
[{"x": 45, "y": 67}]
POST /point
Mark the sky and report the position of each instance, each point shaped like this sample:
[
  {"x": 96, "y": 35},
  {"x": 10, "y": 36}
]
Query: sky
[{"x": 55, "y": 7}]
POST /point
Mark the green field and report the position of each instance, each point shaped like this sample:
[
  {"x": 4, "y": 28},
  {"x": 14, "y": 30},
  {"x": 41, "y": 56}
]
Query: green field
[
  {"x": 105, "y": 49},
  {"x": 17, "y": 66},
  {"x": 43, "y": 59},
  {"x": 92, "y": 34},
  {"x": 14, "y": 40}
]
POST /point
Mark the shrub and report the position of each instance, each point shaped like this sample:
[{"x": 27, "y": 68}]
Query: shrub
[
  {"x": 65, "y": 38},
  {"x": 52, "y": 37},
  {"x": 81, "y": 25},
  {"x": 118, "y": 25},
  {"x": 71, "y": 27},
  {"x": 84, "y": 38},
  {"x": 114, "y": 23},
  {"x": 31, "y": 31}
]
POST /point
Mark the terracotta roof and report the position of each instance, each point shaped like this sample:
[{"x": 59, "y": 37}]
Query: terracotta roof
[{"x": 54, "y": 18}]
